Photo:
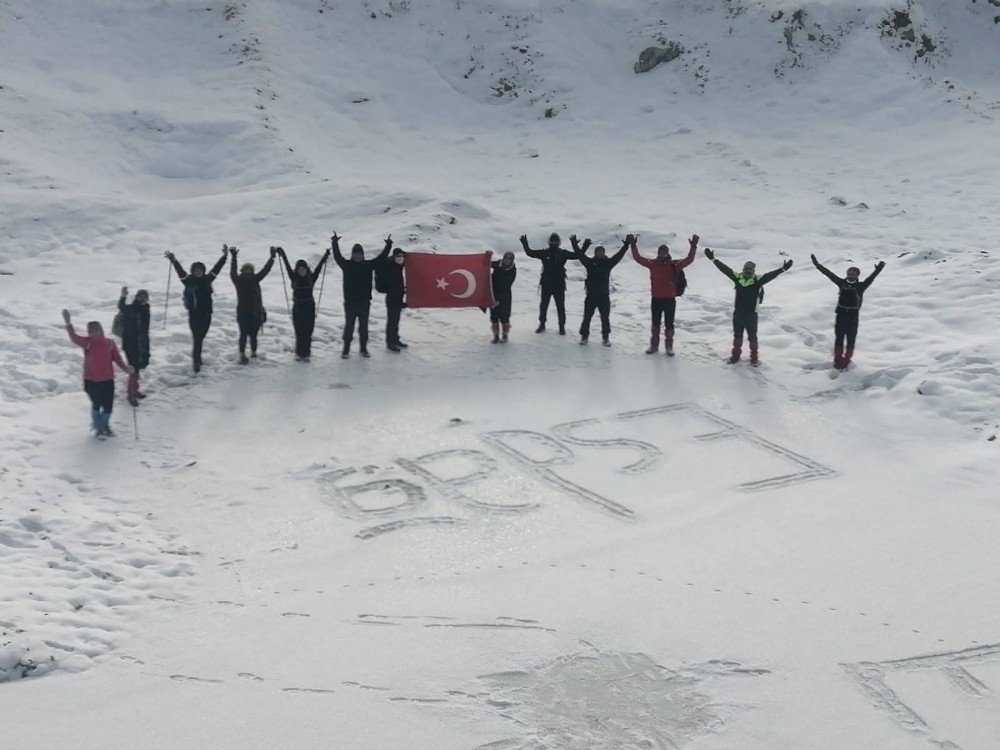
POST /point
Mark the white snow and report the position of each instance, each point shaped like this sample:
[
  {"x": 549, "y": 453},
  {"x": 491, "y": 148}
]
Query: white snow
[{"x": 537, "y": 545}]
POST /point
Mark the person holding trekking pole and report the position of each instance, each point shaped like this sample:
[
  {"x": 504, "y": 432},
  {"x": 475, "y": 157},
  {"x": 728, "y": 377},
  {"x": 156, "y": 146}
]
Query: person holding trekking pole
[{"x": 303, "y": 279}]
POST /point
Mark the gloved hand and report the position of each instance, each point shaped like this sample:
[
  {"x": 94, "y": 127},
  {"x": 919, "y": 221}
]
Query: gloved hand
[
  {"x": 786, "y": 265},
  {"x": 709, "y": 254}
]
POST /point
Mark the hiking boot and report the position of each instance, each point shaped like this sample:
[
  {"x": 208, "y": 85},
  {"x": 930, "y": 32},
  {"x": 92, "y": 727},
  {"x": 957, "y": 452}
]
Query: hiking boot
[
  {"x": 496, "y": 333},
  {"x": 583, "y": 340},
  {"x": 562, "y": 330},
  {"x": 244, "y": 360},
  {"x": 654, "y": 340},
  {"x": 133, "y": 401},
  {"x": 606, "y": 341},
  {"x": 506, "y": 330},
  {"x": 106, "y": 432},
  {"x": 669, "y": 351},
  {"x": 401, "y": 344},
  {"x": 140, "y": 394},
  {"x": 391, "y": 348},
  {"x": 364, "y": 352},
  {"x": 345, "y": 354},
  {"x": 734, "y": 357},
  {"x": 541, "y": 327}
]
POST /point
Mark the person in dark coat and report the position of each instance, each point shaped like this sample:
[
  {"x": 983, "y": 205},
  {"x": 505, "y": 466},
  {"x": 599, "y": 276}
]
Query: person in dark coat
[
  {"x": 303, "y": 280},
  {"x": 250, "y": 313},
  {"x": 502, "y": 279},
  {"x": 663, "y": 287},
  {"x": 749, "y": 292},
  {"x": 598, "y": 286},
  {"x": 553, "y": 279},
  {"x": 852, "y": 291},
  {"x": 198, "y": 294},
  {"x": 393, "y": 284},
  {"x": 357, "y": 291},
  {"x": 135, "y": 338}
]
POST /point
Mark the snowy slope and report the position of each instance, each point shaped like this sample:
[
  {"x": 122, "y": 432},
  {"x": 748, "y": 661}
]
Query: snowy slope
[{"x": 533, "y": 546}]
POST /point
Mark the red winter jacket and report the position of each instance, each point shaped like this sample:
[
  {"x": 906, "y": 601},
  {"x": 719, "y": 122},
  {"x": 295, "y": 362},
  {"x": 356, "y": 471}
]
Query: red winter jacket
[
  {"x": 663, "y": 273},
  {"x": 100, "y": 354}
]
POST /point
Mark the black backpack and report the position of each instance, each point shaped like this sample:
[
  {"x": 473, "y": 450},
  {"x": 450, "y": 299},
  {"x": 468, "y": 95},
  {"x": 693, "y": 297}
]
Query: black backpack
[
  {"x": 190, "y": 299},
  {"x": 680, "y": 282}
]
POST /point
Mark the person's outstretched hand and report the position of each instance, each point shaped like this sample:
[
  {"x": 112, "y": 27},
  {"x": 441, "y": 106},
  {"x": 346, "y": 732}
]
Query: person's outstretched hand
[{"x": 709, "y": 254}]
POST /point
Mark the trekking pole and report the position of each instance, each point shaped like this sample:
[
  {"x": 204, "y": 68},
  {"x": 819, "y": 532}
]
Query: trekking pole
[
  {"x": 166, "y": 302},
  {"x": 321, "y": 282},
  {"x": 135, "y": 423},
  {"x": 281, "y": 268}
]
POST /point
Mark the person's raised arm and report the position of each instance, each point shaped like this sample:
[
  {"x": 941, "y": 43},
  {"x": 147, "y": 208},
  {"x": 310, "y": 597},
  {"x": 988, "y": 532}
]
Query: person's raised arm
[
  {"x": 726, "y": 270},
  {"x": 878, "y": 269},
  {"x": 122, "y": 298},
  {"x": 316, "y": 272},
  {"x": 527, "y": 250},
  {"x": 631, "y": 241},
  {"x": 692, "y": 253},
  {"x": 232, "y": 265},
  {"x": 181, "y": 273},
  {"x": 386, "y": 249},
  {"x": 221, "y": 262},
  {"x": 772, "y": 275},
  {"x": 617, "y": 257},
  {"x": 825, "y": 271},
  {"x": 284, "y": 259},
  {"x": 73, "y": 336},
  {"x": 337, "y": 255},
  {"x": 263, "y": 272}
]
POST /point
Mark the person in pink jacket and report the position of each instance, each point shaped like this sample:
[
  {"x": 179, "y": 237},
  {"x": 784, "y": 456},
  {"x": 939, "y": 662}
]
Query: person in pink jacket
[{"x": 100, "y": 355}]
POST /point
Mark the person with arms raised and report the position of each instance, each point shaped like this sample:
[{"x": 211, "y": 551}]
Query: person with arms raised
[
  {"x": 303, "y": 281},
  {"x": 749, "y": 294},
  {"x": 250, "y": 313},
  {"x": 667, "y": 282},
  {"x": 357, "y": 291},
  {"x": 198, "y": 295},
  {"x": 100, "y": 355},
  {"x": 597, "y": 286},
  {"x": 845, "y": 326},
  {"x": 553, "y": 279}
]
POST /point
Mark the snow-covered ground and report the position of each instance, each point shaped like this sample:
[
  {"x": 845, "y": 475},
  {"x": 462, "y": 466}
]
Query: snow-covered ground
[{"x": 537, "y": 545}]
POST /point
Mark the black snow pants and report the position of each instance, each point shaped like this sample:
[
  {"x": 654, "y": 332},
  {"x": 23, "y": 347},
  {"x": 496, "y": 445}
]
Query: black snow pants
[
  {"x": 393, "y": 311},
  {"x": 663, "y": 308},
  {"x": 250, "y": 323},
  {"x": 846, "y": 327},
  {"x": 500, "y": 313},
  {"x": 199, "y": 324},
  {"x": 601, "y": 303},
  {"x": 356, "y": 313},
  {"x": 304, "y": 320},
  {"x": 557, "y": 293},
  {"x": 745, "y": 321},
  {"x": 101, "y": 393}
]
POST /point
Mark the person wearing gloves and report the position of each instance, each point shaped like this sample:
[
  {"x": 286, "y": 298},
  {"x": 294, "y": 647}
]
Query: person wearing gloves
[
  {"x": 749, "y": 293},
  {"x": 665, "y": 282},
  {"x": 135, "y": 338},
  {"x": 845, "y": 326},
  {"x": 597, "y": 286},
  {"x": 250, "y": 312},
  {"x": 553, "y": 279}
]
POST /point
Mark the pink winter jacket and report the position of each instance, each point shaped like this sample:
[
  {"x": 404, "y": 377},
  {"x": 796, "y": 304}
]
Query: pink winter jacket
[{"x": 100, "y": 354}]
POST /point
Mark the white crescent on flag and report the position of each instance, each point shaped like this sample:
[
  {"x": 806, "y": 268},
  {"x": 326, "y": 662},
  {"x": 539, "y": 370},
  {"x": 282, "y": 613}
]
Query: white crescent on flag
[{"x": 467, "y": 275}]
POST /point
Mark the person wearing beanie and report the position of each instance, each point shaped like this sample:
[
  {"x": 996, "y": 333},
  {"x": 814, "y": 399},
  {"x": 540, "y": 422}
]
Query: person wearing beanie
[
  {"x": 553, "y": 279},
  {"x": 389, "y": 280},
  {"x": 845, "y": 326},
  {"x": 597, "y": 285},
  {"x": 135, "y": 338},
  {"x": 749, "y": 293},
  {"x": 303, "y": 280},
  {"x": 250, "y": 312},
  {"x": 665, "y": 282},
  {"x": 357, "y": 291},
  {"x": 198, "y": 295},
  {"x": 502, "y": 280}
]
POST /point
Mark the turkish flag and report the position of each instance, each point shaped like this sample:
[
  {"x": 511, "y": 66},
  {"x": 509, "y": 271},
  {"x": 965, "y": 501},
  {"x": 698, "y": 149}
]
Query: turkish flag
[{"x": 448, "y": 280}]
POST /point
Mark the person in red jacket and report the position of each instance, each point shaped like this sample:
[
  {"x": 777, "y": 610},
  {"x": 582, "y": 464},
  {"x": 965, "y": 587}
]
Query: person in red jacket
[
  {"x": 663, "y": 272},
  {"x": 99, "y": 358}
]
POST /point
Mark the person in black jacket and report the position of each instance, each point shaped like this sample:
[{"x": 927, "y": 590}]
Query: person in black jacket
[
  {"x": 553, "y": 280},
  {"x": 135, "y": 338},
  {"x": 749, "y": 292},
  {"x": 302, "y": 280},
  {"x": 852, "y": 291},
  {"x": 357, "y": 291},
  {"x": 250, "y": 313},
  {"x": 502, "y": 279},
  {"x": 598, "y": 286},
  {"x": 389, "y": 276},
  {"x": 198, "y": 299}
]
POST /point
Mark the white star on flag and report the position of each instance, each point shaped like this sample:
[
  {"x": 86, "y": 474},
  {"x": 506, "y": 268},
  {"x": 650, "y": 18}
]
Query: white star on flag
[{"x": 442, "y": 284}]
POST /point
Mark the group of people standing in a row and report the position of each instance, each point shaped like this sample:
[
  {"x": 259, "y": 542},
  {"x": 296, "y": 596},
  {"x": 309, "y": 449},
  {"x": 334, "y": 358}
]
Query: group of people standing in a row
[{"x": 667, "y": 283}]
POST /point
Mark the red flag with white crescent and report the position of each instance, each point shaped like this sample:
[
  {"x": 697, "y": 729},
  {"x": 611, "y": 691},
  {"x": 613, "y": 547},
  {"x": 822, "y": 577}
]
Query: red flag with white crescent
[{"x": 434, "y": 280}]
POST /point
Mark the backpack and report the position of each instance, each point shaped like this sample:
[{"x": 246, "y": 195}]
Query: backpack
[
  {"x": 381, "y": 279},
  {"x": 190, "y": 299},
  {"x": 118, "y": 324},
  {"x": 680, "y": 282}
]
